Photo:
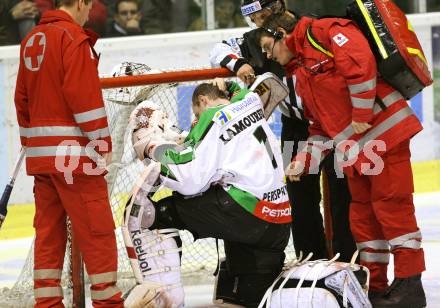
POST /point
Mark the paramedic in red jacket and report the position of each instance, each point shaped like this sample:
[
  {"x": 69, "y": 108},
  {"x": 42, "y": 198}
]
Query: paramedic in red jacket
[
  {"x": 348, "y": 102},
  {"x": 63, "y": 126}
]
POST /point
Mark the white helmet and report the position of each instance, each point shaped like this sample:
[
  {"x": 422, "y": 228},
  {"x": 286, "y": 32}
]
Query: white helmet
[
  {"x": 130, "y": 95},
  {"x": 250, "y": 7}
]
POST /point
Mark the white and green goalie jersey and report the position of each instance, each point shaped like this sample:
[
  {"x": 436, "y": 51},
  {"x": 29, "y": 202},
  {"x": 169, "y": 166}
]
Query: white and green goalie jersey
[{"x": 233, "y": 146}]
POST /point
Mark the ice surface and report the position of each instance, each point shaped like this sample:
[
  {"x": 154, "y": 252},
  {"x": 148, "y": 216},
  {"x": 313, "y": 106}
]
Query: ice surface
[{"x": 13, "y": 254}]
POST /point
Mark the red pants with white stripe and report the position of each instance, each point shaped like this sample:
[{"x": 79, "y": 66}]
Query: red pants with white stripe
[
  {"x": 382, "y": 219},
  {"x": 86, "y": 203}
]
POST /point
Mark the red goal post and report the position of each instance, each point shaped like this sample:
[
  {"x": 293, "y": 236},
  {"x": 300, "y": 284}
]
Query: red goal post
[{"x": 165, "y": 77}]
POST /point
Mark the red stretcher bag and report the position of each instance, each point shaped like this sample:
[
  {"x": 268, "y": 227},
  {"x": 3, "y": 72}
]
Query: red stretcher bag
[{"x": 400, "y": 58}]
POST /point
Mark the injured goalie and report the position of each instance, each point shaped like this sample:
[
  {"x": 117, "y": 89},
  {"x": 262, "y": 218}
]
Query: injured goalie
[{"x": 228, "y": 183}]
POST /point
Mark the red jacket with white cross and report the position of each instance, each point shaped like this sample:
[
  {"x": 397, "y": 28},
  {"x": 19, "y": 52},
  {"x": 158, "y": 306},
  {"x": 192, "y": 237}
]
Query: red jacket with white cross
[{"x": 58, "y": 99}]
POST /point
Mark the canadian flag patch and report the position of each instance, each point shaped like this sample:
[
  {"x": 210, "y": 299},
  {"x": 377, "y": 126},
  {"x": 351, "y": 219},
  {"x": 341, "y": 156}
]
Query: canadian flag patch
[{"x": 340, "y": 39}]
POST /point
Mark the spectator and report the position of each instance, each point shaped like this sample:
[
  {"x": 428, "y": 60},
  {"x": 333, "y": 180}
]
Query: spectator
[
  {"x": 166, "y": 16},
  {"x": 24, "y": 13},
  {"x": 17, "y": 19},
  {"x": 8, "y": 31},
  {"x": 157, "y": 16},
  {"x": 126, "y": 20},
  {"x": 226, "y": 16},
  {"x": 183, "y": 12}
]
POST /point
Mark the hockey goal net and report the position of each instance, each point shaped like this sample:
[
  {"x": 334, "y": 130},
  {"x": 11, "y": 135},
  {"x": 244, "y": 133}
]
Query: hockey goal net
[{"x": 127, "y": 86}]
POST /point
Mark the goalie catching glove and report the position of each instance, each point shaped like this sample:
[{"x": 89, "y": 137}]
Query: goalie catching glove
[{"x": 152, "y": 130}]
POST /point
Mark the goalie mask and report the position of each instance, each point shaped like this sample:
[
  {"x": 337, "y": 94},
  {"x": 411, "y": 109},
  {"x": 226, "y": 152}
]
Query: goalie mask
[{"x": 130, "y": 95}]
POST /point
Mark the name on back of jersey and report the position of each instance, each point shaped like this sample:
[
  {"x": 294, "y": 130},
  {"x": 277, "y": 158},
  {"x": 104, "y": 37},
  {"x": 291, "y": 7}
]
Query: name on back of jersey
[
  {"x": 241, "y": 125},
  {"x": 237, "y": 117}
]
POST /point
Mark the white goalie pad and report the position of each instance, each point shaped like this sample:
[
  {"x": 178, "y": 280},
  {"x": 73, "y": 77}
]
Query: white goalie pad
[
  {"x": 153, "y": 254},
  {"x": 321, "y": 283},
  {"x": 272, "y": 91},
  {"x": 152, "y": 128}
]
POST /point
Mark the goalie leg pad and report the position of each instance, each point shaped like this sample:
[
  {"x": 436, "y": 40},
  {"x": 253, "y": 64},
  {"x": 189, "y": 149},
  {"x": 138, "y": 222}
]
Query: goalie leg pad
[
  {"x": 320, "y": 283},
  {"x": 140, "y": 212},
  {"x": 155, "y": 260},
  {"x": 157, "y": 264},
  {"x": 154, "y": 254}
]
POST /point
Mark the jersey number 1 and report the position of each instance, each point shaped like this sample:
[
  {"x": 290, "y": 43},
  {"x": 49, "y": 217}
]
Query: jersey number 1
[{"x": 261, "y": 136}]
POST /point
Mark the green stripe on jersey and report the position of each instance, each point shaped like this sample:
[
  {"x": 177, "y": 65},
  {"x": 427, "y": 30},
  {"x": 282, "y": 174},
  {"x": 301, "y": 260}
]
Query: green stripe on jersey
[
  {"x": 235, "y": 87},
  {"x": 196, "y": 134},
  {"x": 177, "y": 158},
  {"x": 239, "y": 96},
  {"x": 166, "y": 172},
  {"x": 245, "y": 199},
  {"x": 202, "y": 127}
]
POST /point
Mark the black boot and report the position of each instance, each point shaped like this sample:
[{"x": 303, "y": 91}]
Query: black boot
[
  {"x": 375, "y": 295},
  {"x": 403, "y": 293},
  {"x": 226, "y": 289}
]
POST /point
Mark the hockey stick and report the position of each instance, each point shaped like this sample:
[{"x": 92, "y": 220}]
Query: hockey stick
[
  {"x": 328, "y": 221},
  {"x": 8, "y": 189}
]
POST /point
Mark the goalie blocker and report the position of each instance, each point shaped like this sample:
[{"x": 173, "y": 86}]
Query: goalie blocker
[{"x": 220, "y": 190}]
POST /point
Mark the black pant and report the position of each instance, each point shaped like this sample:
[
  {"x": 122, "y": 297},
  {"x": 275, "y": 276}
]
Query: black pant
[
  {"x": 305, "y": 196},
  {"x": 254, "y": 248},
  {"x": 339, "y": 199}
]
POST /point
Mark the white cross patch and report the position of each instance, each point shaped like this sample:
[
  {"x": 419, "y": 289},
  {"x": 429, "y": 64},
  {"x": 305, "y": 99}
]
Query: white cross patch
[
  {"x": 33, "y": 54},
  {"x": 340, "y": 39}
]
